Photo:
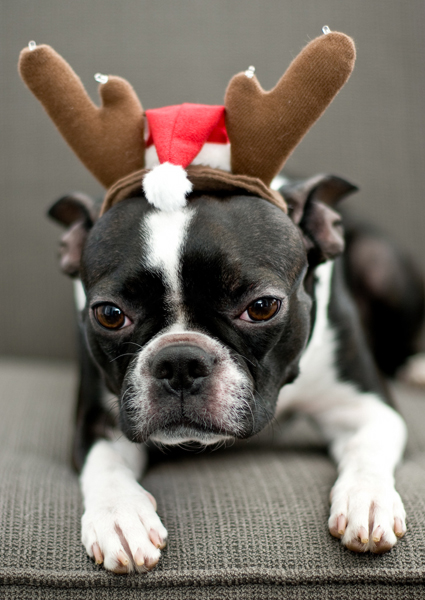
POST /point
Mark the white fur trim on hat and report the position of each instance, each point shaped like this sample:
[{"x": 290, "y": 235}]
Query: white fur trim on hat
[
  {"x": 151, "y": 157},
  {"x": 167, "y": 186},
  {"x": 212, "y": 155}
]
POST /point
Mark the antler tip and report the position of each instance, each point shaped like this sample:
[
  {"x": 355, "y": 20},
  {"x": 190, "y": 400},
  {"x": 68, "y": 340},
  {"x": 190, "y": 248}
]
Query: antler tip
[
  {"x": 32, "y": 57},
  {"x": 343, "y": 44},
  {"x": 117, "y": 91}
]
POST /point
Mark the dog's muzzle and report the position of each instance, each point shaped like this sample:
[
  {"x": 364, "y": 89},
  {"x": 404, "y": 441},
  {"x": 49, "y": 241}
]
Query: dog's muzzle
[{"x": 186, "y": 386}]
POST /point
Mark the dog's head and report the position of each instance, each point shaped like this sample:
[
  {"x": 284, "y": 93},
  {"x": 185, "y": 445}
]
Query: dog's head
[{"x": 197, "y": 317}]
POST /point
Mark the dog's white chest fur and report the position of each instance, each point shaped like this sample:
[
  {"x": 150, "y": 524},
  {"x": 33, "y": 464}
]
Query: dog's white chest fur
[{"x": 318, "y": 380}]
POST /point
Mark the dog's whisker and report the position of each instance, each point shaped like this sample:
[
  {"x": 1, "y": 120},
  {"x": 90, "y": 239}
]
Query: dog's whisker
[
  {"x": 121, "y": 356},
  {"x": 135, "y": 344}
]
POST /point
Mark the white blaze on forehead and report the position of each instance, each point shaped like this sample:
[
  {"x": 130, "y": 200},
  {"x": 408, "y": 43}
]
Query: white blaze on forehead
[{"x": 164, "y": 234}]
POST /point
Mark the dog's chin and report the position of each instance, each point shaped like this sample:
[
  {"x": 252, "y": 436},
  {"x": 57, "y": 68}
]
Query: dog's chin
[{"x": 183, "y": 434}]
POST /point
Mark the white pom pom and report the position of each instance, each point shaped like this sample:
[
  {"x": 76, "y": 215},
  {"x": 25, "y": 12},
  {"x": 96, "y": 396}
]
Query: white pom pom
[{"x": 167, "y": 186}]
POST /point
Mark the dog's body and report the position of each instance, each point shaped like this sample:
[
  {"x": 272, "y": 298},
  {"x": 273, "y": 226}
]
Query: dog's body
[{"x": 229, "y": 315}]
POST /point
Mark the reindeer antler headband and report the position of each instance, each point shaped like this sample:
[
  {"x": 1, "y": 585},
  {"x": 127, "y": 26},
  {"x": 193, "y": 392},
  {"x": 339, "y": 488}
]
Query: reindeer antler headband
[{"x": 263, "y": 128}]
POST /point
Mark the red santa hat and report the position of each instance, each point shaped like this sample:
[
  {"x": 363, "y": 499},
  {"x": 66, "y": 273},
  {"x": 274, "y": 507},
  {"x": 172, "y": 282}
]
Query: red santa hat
[{"x": 178, "y": 136}]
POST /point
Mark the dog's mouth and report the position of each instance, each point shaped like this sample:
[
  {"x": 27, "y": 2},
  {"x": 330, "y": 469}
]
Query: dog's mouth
[
  {"x": 186, "y": 431},
  {"x": 173, "y": 421}
]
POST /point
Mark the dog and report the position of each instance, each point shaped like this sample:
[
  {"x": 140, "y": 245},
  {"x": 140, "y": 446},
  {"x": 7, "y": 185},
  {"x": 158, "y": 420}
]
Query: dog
[
  {"x": 210, "y": 303},
  {"x": 206, "y": 323}
]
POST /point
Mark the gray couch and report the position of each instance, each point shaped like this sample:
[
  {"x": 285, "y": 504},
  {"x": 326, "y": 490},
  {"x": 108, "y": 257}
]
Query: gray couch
[{"x": 246, "y": 522}]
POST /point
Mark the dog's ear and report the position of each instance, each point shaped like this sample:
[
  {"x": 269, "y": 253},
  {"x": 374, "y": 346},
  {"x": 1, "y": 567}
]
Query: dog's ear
[
  {"x": 310, "y": 206},
  {"x": 78, "y": 213}
]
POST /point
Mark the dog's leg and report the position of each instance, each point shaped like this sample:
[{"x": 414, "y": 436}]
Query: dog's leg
[
  {"x": 339, "y": 389},
  {"x": 367, "y": 439},
  {"x": 120, "y": 526}
]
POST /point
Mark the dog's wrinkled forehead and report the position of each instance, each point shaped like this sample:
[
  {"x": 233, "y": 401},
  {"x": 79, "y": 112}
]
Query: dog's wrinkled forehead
[{"x": 214, "y": 244}]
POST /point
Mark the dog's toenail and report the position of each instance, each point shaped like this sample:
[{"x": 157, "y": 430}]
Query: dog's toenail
[
  {"x": 122, "y": 558},
  {"x": 155, "y": 539},
  {"x": 377, "y": 534},
  {"x": 341, "y": 524},
  {"x": 139, "y": 558}
]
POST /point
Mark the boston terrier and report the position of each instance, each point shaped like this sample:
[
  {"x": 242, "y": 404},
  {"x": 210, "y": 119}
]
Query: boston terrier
[
  {"x": 211, "y": 303},
  {"x": 206, "y": 323}
]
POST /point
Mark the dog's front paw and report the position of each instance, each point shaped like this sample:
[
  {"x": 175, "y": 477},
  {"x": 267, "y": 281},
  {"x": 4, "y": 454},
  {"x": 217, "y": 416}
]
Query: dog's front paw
[
  {"x": 367, "y": 516},
  {"x": 122, "y": 530}
]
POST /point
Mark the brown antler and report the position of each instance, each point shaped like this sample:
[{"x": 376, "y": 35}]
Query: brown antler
[
  {"x": 264, "y": 127},
  {"x": 109, "y": 139}
]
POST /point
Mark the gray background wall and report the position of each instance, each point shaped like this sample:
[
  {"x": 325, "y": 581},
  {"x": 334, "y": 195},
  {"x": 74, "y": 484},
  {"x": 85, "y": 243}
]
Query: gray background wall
[{"x": 186, "y": 51}]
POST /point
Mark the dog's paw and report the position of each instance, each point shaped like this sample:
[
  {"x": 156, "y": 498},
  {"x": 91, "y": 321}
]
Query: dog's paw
[
  {"x": 367, "y": 516},
  {"x": 122, "y": 530}
]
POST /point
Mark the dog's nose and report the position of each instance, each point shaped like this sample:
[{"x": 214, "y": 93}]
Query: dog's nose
[{"x": 182, "y": 367}]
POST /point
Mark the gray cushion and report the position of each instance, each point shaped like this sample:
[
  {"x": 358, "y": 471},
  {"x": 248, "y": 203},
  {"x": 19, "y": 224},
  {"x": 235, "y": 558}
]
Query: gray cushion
[{"x": 246, "y": 522}]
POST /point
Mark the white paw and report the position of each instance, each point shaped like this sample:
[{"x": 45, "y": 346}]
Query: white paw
[
  {"x": 367, "y": 516},
  {"x": 120, "y": 528}
]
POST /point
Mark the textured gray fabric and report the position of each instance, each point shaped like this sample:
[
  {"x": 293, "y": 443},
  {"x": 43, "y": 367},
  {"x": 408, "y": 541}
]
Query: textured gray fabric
[
  {"x": 186, "y": 51},
  {"x": 248, "y": 522}
]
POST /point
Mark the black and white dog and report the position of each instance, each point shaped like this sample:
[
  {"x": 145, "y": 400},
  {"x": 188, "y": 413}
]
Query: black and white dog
[{"x": 206, "y": 323}]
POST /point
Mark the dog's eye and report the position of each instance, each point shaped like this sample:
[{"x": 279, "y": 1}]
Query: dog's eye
[
  {"x": 262, "y": 309},
  {"x": 110, "y": 316}
]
